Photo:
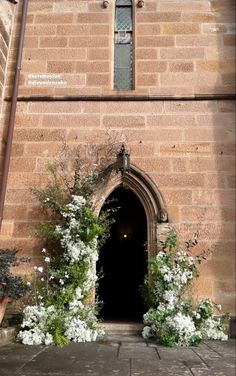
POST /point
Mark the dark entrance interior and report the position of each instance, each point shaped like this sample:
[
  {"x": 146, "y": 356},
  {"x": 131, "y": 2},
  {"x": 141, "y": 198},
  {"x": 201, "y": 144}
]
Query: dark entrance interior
[{"x": 123, "y": 259}]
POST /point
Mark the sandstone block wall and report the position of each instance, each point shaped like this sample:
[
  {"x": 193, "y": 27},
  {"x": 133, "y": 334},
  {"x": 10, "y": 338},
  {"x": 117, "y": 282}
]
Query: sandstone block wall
[
  {"x": 6, "y": 19},
  {"x": 186, "y": 146},
  {"x": 6, "y": 22},
  {"x": 181, "y": 47}
]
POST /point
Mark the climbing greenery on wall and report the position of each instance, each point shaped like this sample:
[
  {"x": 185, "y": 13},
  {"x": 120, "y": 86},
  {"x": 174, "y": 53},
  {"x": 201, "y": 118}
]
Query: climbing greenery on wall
[
  {"x": 61, "y": 309},
  {"x": 172, "y": 316}
]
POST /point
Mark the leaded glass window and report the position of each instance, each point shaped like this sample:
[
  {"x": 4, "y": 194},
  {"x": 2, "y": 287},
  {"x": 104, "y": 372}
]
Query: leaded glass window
[{"x": 123, "y": 71}]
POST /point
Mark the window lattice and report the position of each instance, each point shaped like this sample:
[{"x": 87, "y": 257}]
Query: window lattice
[
  {"x": 123, "y": 18},
  {"x": 123, "y": 67}
]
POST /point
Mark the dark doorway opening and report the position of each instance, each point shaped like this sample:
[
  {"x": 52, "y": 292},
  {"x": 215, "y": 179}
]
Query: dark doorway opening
[{"x": 123, "y": 259}]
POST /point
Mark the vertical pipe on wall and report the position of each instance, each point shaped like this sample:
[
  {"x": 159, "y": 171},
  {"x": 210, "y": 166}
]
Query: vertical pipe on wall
[{"x": 10, "y": 130}]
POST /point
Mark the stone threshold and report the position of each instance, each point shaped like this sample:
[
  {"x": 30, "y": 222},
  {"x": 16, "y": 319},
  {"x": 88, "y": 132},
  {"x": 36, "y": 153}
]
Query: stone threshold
[
  {"x": 122, "y": 328},
  {"x": 8, "y": 335}
]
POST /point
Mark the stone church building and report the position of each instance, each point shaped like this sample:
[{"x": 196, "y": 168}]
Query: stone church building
[{"x": 158, "y": 72}]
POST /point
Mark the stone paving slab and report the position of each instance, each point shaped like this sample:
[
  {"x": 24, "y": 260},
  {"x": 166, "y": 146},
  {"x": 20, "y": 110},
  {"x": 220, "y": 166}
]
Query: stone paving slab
[
  {"x": 180, "y": 353},
  {"x": 223, "y": 348},
  {"x": 119, "y": 356},
  {"x": 158, "y": 367},
  {"x": 206, "y": 353},
  {"x": 138, "y": 353},
  {"x": 213, "y": 372}
]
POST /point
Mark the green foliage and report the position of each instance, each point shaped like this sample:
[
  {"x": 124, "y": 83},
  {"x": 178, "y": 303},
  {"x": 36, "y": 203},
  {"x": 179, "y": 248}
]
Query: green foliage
[
  {"x": 11, "y": 285},
  {"x": 206, "y": 310},
  {"x": 47, "y": 231},
  {"x": 172, "y": 316},
  {"x": 169, "y": 340},
  {"x": 56, "y": 328},
  {"x": 78, "y": 271},
  {"x": 73, "y": 235},
  {"x": 147, "y": 293},
  {"x": 171, "y": 241}
]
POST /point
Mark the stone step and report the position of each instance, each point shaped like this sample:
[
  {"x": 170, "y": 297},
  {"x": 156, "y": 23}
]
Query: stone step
[
  {"x": 122, "y": 328},
  {"x": 8, "y": 335}
]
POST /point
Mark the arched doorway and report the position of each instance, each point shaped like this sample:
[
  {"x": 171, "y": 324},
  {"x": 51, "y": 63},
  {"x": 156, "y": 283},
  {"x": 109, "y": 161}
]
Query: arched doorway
[{"x": 123, "y": 259}]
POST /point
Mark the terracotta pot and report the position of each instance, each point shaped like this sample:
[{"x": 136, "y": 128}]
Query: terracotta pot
[{"x": 3, "y": 306}]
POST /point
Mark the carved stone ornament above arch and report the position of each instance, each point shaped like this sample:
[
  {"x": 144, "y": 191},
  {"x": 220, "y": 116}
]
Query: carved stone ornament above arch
[{"x": 149, "y": 195}]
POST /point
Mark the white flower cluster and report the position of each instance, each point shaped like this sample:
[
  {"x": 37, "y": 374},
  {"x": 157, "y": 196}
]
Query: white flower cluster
[
  {"x": 210, "y": 329},
  {"x": 38, "y": 269},
  {"x": 170, "y": 299},
  {"x": 183, "y": 326},
  {"x": 74, "y": 248},
  {"x": 80, "y": 323},
  {"x": 173, "y": 319},
  {"x": 76, "y": 204},
  {"x": 147, "y": 332},
  {"x": 174, "y": 274},
  {"x": 36, "y": 319},
  {"x": 33, "y": 325},
  {"x": 77, "y": 330},
  {"x": 76, "y": 304}
]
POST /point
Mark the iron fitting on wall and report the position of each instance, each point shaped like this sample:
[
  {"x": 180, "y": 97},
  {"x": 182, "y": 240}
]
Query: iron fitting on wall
[
  {"x": 140, "y": 3},
  {"x": 105, "y": 4}
]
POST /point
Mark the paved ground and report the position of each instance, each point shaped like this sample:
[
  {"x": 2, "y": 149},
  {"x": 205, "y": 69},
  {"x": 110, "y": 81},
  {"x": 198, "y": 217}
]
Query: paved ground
[{"x": 119, "y": 356}]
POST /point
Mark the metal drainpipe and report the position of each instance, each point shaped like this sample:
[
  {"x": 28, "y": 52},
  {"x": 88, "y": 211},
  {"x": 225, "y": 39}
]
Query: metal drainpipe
[{"x": 10, "y": 129}]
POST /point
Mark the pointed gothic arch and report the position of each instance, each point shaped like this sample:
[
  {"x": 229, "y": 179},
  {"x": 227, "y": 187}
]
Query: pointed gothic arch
[{"x": 150, "y": 197}]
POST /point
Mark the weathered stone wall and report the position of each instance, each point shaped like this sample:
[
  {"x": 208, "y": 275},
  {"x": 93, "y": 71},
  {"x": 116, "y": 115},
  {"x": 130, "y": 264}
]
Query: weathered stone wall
[
  {"x": 6, "y": 22},
  {"x": 6, "y": 19},
  {"x": 181, "y": 47},
  {"x": 186, "y": 147}
]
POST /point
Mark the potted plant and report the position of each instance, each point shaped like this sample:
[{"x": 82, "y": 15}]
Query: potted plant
[{"x": 11, "y": 286}]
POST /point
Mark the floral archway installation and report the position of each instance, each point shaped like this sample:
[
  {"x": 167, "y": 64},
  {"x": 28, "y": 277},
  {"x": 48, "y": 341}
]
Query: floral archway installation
[{"x": 61, "y": 309}]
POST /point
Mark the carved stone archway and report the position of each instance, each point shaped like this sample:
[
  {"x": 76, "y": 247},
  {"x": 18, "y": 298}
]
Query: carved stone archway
[{"x": 149, "y": 195}]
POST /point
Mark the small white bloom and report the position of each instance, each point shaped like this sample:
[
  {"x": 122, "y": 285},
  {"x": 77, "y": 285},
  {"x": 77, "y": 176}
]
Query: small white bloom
[
  {"x": 48, "y": 339},
  {"x": 28, "y": 283},
  {"x": 35, "y": 268},
  {"x": 42, "y": 279},
  {"x": 47, "y": 259},
  {"x": 40, "y": 269},
  {"x": 58, "y": 228},
  {"x": 167, "y": 277},
  {"x": 44, "y": 250},
  {"x": 61, "y": 281},
  {"x": 146, "y": 333},
  {"x": 78, "y": 293},
  {"x": 191, "y": 260}
]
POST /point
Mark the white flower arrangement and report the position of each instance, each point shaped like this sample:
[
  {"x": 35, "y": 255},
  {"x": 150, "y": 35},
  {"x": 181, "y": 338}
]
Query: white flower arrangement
[
  {"x": 61, "y": 313},
  {"x": 172, "y": 318},
  {"x": 33, "y": 325}
]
